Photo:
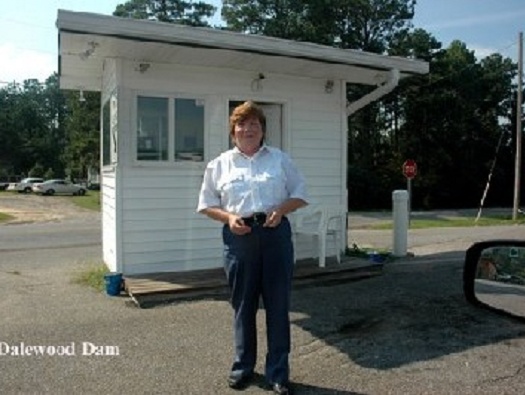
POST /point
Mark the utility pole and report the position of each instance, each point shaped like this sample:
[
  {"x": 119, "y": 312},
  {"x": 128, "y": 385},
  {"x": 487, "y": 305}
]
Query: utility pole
[{"x": 519, "y": 132}]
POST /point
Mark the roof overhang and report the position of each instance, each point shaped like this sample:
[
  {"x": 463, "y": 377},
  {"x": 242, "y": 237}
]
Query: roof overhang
[{"x": 86, "y": 39}]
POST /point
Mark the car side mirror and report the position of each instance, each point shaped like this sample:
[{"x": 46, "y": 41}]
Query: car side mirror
[{"x": 494, "y": 276}]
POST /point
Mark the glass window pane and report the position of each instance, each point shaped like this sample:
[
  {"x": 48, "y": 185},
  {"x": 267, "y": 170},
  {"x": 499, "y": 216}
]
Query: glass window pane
[
  {"x": 152, "y": 128},
  {"x": 106, "y": 134},
  {"x": 189, "y": 130}
]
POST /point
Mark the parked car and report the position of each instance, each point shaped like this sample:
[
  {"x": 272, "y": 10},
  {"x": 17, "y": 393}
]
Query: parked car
[
  {"x": 58, "y": 186},
  {"x": 7, "y": 181},
  {"x": 25, "y": 185}
]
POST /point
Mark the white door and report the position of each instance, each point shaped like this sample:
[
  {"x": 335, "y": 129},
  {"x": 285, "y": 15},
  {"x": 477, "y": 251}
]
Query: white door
[{"x": 274, "y": 124}]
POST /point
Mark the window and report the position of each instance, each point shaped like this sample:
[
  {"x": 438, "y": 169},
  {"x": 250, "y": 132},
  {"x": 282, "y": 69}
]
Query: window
[
  {"x": 109, "y": 130},
  {"x": 106, "y": 134},
  {"x": 152, "y": 128},
  {"x": 189, "y": 129},
  {"x": 170, "y": 129}
]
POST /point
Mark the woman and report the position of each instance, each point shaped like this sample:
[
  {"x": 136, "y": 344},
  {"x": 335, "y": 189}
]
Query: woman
[{"x": 250, "y": 189}]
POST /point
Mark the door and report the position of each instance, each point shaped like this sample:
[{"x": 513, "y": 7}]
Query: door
[{"x": 274, "y": 129}]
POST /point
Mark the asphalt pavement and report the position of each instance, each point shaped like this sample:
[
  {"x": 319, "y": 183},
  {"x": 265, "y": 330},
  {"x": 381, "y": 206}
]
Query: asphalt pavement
[{"x": 407, "y": 331}]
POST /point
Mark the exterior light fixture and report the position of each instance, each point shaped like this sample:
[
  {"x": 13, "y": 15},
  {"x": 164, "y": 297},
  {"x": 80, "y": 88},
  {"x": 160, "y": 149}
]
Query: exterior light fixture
[
  {"x": 257, "y": 83},
  {"x": 143, "y": 67},
  {"x": 329, "y": 86}
]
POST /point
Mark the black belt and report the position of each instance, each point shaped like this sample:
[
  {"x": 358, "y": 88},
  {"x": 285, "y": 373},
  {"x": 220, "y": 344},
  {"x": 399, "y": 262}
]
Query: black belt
[{"x": 255, "y": 219}]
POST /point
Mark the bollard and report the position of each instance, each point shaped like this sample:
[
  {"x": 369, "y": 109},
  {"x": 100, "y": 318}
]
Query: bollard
[{"x": 400, "y": 218}]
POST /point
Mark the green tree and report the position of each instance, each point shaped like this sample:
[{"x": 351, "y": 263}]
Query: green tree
[
  {"x": 30, "y": 125},
  {"x": 371, "y": 25},
  {"x": 36, "y": 171},
  {"x": 83, "y": 134},
  {"x": 452, "y": 124},
  {"x": 49, "y": 174},
  {"x": 173, "y": 11},
  {"x": 278, "y": 18},
  {"x": 9, "y": 135},
  {"x": 359, "y": 24}
]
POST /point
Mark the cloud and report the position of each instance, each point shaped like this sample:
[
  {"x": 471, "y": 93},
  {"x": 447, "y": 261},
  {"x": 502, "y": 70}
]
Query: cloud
[
  {"x": 21, "y": 64},
  {"x": 476, "y": 20},
  {"x": 482, "y": 52}
]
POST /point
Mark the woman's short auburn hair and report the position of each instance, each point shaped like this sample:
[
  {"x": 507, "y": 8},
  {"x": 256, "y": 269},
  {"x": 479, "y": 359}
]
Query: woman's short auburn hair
[{"x": 244, "y": 111}]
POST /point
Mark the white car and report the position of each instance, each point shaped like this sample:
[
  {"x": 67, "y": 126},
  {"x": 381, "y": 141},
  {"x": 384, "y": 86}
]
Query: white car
[
  {"x": 25, "y": 185},
  {"x": 58, "y": 186}
]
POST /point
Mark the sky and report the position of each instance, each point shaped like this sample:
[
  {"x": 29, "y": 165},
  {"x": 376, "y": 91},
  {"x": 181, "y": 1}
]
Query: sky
[{"x": 29, "y": 38}]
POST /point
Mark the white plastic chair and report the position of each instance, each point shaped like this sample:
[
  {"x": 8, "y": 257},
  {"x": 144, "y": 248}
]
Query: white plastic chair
[{"x": 321, "y": 222}]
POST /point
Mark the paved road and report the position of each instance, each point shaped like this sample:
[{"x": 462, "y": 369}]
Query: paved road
[
  {"x": 50, "y": 235},
  {"x": 423, "y": 242},
  {"x": 408, "y": 331}
]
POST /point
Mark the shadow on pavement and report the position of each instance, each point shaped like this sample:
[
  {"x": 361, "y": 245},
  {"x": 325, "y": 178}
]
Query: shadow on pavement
[{"x": 414, "y": 312}]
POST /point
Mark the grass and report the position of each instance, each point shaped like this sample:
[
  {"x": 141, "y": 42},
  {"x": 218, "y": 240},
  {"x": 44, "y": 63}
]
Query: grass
[
  {"x": 454, "y": 222},
  {"x": 90, "y": 201},
  {"x": 92, "y": 276},
  {"x": 5, "y": 217},
  {"x": 382, "y": 255}
]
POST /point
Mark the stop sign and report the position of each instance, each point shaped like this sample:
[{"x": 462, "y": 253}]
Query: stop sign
[{"x": 409, "y": 168}]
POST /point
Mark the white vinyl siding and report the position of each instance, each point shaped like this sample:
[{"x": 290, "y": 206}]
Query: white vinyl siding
[{"x": 109, "y": 221}]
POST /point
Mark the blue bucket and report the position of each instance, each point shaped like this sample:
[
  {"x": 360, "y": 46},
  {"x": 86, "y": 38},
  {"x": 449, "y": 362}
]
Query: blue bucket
[
  {"x": 113, "y": 283},
  {"x": 375, "y": 257}
]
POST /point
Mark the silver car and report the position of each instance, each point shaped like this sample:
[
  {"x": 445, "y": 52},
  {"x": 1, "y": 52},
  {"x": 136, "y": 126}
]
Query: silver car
[
  {"x": 25, "y": 185},
  {"x": 58, "y": 186}
]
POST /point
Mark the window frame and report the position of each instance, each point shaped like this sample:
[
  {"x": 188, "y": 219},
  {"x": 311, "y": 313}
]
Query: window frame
[
  {"x": 112, "y": 124},
  {"x": 171, "y": 161}
]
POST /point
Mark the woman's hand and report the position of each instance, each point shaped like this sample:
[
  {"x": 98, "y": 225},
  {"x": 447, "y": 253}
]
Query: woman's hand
[
  {"x": 237, "y": 225},
  {"x": 273, "y": 220}
]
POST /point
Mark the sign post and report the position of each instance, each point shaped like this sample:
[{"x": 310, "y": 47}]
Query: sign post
[{"x": 409, "y": 171}]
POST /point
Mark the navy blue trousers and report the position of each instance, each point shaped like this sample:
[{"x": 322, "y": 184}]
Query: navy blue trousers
[{"x": 260, "y": 264}]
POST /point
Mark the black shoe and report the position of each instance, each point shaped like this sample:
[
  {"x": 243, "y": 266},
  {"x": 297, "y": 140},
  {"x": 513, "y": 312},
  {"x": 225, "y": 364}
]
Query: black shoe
[
  {"x": 240, "y": 382},
  {"x": 281, "y": 389}
]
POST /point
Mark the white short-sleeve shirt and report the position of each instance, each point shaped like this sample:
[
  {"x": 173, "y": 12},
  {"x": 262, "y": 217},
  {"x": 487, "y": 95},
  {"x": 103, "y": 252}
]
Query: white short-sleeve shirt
[{"x": 245, "y": 185}]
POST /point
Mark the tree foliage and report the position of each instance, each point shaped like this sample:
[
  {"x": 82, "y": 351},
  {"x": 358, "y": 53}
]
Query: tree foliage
[
  {"x": 173, "y": 11},
  {"x": 47, "y": 132},
  {"x": 82, "y": 134},
  {"x": 358, "y": 24},
  {"x": 453, "y": 120},
  {"x": 31, "y": 128}
]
